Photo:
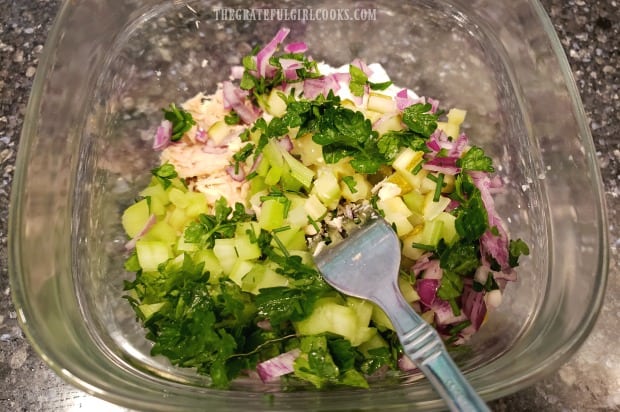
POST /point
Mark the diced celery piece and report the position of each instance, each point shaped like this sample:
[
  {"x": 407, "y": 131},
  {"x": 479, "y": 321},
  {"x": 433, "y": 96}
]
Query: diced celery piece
[
  {"x": 432, "y": 209},
  {"x": 331, "y": 317},
  {"x": 246, "y": 250},
  {"x": 381, "y": 103},
  {"x": 273, "y": 154},
  {"x": 156, "y": 191},
  {"x": 178, "y": 219},
  {"x": 273, "y": 175},
  {"x": 148, "y": 310},
  {"x": 276, "y": 106},
  {"x": 263, "y": 167},
  {"x": 151, "y": 254},
  {"x": 456, "y": 116},
  {"x": 432, "y": 232},
  {"x": 239, "y": 269},
  {"x": 261, "y": 277},
  {"x": 196, "y": 204},
  {"x": 218, "y": 132},
  {"x": 178, "y": 198},
  {"x": 327, "y": 189},
  {"x": 448, "y": 232},
  {"x": 257, "y": 184},
  {"x": 380, "y": 318},
  {"x": 292, "y": 238},
  {"x": 183, "y": 246},
  {"x": 135, "y": 217},
  {"x": 362, "y": 308},
  {"x": 243, "y": 228},
  {"x": 156, "y": 206},
  {"x": 224, "y": 250},
  {"x": 310, "y": 152},
  {"x": 406, "y": 288},
  {"x": 450, "y": 129},
  {"x": 272, "y": 214},
  {"x": 375, "y": 341},
  {"x": 361, "y": 189},
  {"x": 314, "y": 208},
  {"x": 211, "y": 263},
  {"x": 301, "y": 173},
  {"x": 392, "y": 123},
  {"x": 162, "y": 231},
  {"x": 407, "y": 159},
  {"x": 297, "y": 215},
  {"x": 414, "y": 201},
  {"x": 289, "y": 183},
  {"x": 414, "y": 237},
  {"x": 306, "y": 256}
]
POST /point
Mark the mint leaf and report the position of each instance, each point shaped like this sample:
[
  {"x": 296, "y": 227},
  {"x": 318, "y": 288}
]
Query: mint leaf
[
  {"x": 471, "y": 218},
  {"x": 419, "y": 119}
]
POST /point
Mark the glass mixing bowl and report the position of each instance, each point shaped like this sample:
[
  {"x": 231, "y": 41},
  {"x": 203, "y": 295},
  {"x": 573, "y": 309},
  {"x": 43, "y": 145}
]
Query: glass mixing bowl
[{"x": 111, "y": 65}]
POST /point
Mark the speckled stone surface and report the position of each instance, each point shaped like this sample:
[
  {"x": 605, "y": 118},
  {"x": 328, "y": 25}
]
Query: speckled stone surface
[{"x": 590, "y": 381}]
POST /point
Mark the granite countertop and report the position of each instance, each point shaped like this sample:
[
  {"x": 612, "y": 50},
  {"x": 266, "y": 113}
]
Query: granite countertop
[{"x": 589, "y": 32}]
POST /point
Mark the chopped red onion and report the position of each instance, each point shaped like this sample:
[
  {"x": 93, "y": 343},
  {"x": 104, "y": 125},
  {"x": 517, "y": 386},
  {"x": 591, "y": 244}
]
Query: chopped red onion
[
  {"x": 257, "y": 161},
  {"x": 422, "y": 263},
  {"x": 263, "y": 56},
  {"x": 427, "y": 290},
  {"x": 235, "y": 98},
  {"x": 289, "y": 67},
  {"x": 405, "y": 364},
  {"x": 314, "y": 87},
  {"x": 201, "y": 135},
  {"x": 459, "y": 145},
  {"x": 280, "y": 365},
  {"x": 433, "y": 270},
  {"x": 359, "y": 63},
  {"x": 509, "y": 275},
  {"x": 264, "y": 324},
  {"x": 493, "y": 245},
  {"x": 163, "y": 135},
  {"x": 444, "y": 315},
  {"x": 445, "y": 165},
  {"x": 145, "y": 229},
  {"x": 236, "y": 72},
  {"x": 473, "y": 306},
  {"x": 286, "y": 143},
  {"x": 404, "y": 100},
  {"x": 296, "y": 47},
  {"x": 434, "y": 104},
  {"x": 237, "y": 175}
]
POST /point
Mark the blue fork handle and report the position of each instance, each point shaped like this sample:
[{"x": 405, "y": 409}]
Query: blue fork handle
[{"x": 425, "y": 348}]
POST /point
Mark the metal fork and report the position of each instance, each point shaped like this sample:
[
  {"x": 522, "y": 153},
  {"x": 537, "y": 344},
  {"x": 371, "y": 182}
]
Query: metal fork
[{"x": 366, "y": 265}]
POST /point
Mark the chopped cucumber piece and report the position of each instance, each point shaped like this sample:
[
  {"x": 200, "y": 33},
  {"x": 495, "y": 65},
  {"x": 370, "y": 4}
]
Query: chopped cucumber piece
[
  {"x": 381, "y": 103},
  {"x": 239, "y": 269},
  {"x": 314, "y": 208},
  {"x": 271, "y": 215},
  {"x": 327, "y": 189},
  {"x": 135, "y": 217},
  {"x": 432, "y": 209},
  {"x": 163, "y": 232},
  {"x": 276, "y": 106},
  {"x": 226, "y": 253},
  {"x": 148, "y": 310},
  {"x": 211, "y": 263},
  {"x": 246, "y": 250},
  {"x": 298, "y": 171},
  {"x": 151, "y": 254}
]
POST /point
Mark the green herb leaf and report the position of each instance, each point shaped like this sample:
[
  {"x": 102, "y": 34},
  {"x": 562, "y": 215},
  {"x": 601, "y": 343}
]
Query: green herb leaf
[
  {"x": 350, "y": 182},
  {"x": 232, "y": 118},
  {"x": 419, "y": 119},
  {"x": 475, "y": 159},
  {"x": 379, "y": 86},
  {"x": 517, "y": 248},
  {"x": 165, "y": 174},
  {"x": 181, "y": 121}
]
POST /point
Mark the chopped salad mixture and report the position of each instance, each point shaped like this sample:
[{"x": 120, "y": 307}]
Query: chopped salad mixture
[{"x": 279, "y": 162}]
